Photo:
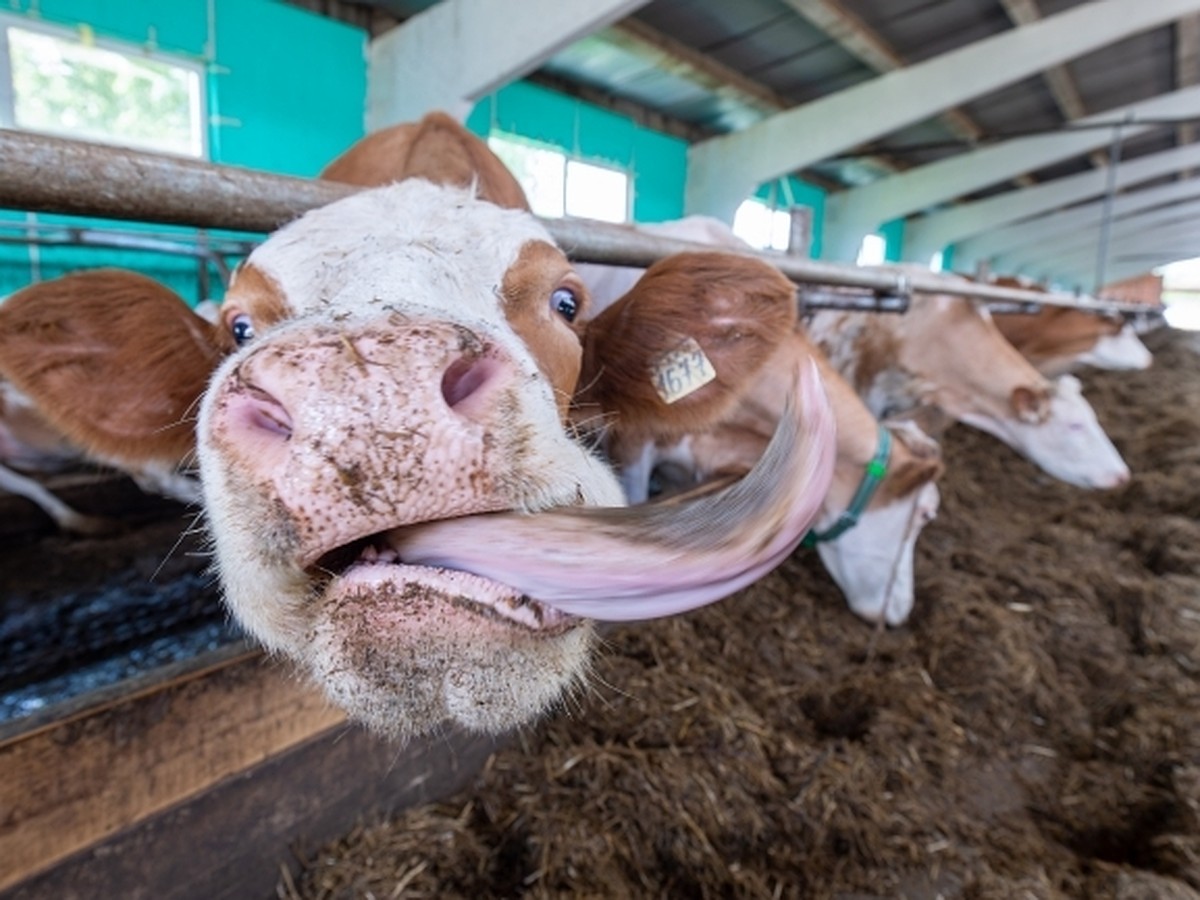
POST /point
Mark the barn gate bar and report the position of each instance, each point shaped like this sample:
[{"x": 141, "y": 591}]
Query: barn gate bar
[{"x": 47, "y": 174}]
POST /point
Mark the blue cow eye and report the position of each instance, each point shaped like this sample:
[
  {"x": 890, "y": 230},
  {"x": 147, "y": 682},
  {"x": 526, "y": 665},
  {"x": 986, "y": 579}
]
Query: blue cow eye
[
  {"x": 564, "y": 302},
  {"x": 242, "y": 328}
]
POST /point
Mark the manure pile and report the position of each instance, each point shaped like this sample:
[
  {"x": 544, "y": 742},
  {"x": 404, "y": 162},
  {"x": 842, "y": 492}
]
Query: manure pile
[{"x": 1033, "y": 732}]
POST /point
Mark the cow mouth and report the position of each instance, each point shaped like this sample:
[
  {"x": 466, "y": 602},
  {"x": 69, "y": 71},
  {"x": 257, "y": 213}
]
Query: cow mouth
[
  {"x": 543, "y": 569},
  {"x": 371, "y": 564}
]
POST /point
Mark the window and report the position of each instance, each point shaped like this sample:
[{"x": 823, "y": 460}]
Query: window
[
  {"x": 762, "y": 227},
  {"x": 64, "y": 83},
  {"x": 557, "y": 186},
  {"x": 937, "y": 262},
  {"x": 872, "y": 251}
]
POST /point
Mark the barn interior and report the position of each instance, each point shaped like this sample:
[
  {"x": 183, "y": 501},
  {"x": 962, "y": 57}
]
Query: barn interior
[{"x": 1032, "y": 730}]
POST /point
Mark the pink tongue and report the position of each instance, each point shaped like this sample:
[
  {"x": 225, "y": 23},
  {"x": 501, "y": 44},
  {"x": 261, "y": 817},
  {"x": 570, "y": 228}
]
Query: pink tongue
[{"x": 620, "y": 564}]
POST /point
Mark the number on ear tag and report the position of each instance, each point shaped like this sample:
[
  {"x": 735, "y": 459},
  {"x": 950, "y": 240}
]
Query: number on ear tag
[{"x": 682, "y": 371}]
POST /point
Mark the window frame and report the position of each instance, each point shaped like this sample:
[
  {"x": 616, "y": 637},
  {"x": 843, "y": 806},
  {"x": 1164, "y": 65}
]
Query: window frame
[
  {"x": 567, "y": 158},
  {"x": 124, "y": 48}
]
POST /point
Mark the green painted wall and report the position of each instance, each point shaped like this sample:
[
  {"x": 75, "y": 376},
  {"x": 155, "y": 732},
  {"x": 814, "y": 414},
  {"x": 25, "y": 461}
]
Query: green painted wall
[{"x": 287, "y": 112}]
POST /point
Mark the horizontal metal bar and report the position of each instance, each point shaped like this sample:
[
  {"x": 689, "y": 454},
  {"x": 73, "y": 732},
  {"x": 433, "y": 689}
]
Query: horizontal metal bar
[{"x": 48, "y": 174}]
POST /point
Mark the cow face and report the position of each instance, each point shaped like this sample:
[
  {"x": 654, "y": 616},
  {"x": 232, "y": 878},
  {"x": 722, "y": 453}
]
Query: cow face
[
  {"x": 1055, "y": 427},
  {"x": 405, "y": 356},
  {"x": 873, "y": 562}
]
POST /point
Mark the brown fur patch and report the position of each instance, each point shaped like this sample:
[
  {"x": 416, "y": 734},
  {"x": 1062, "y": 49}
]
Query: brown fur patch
[
  {"x": 1055, "y": 332},
  {"x": 256, "y": 294},
  {"x": 737, "y": 309},
  {"x": 436, "y": 148},
  {"x": 63, "y": 341},
  {"x": 527, "y": 292},
  {"x": 911, "y": 466}
]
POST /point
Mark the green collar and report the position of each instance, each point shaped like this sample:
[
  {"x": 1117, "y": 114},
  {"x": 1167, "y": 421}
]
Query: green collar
[{"x": 875, "y": 472}]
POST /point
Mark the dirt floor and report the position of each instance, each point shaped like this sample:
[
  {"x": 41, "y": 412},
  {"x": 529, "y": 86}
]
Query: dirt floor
[{"x": 1033, "y": 732}]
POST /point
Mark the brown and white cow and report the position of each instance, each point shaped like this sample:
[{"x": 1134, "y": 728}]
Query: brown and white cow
[
  {"x": 395, "y": 497},
  {"x": 737, "y": 315},
  {"x": 145, "y": 432},
  {"x": 1059, "y": 339},
  {"x": 946, "y": 354}
]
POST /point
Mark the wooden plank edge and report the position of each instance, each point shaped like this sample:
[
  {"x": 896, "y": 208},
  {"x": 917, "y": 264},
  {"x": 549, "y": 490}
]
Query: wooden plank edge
[
  {"x": 76, "y": 781},
  {"x": 231, "y": 841}
]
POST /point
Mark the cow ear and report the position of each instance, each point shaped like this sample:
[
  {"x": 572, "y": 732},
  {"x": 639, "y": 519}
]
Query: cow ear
[
  {"x": 114, "y": 360},
  {"x": 686, "y": 342},
  {"x": 1029, "y": 405}
]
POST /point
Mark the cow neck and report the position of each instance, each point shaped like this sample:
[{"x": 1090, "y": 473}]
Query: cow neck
[{"x": 873, "y": 474}]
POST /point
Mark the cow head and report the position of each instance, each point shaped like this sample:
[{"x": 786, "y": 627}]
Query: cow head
[
  {"x": 1052, "y": 424},
  {"x": 873, "y": 562}
]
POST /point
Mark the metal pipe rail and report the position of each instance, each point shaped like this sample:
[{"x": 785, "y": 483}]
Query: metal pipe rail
[{"x": 46, "y": 174}]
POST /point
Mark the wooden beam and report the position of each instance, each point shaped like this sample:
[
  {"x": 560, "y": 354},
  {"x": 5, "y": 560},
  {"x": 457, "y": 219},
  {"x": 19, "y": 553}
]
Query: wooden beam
[
  {"x": 78, "y": 779},
  {"x": 235, "y": 840}
]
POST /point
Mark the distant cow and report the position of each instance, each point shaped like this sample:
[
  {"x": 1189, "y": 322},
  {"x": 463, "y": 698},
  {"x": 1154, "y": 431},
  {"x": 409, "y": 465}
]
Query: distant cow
[
  {"x": 946, "y": 354},
  {"x": 395, "y": 497},
  {"x": 738, "y": 315}
]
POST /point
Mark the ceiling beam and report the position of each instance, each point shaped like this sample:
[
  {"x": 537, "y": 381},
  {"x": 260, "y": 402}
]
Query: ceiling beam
[
  {"x": 1158, "y": 246},
  {"x": 977, "y": 229},
  {"x": 851, "y": 214},
  {"x": 1084, "y": 241},
  {"x": 1060, "y": 81},
  {"x": 457, "y": 51},
  {"x": 1033, "y": 231},
  {"x": 724, "y": 170},
  {"x": 867, "y": 47}
]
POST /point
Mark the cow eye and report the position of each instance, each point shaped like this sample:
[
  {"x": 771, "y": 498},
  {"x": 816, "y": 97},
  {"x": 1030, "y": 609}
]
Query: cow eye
[
  {"x": 242, "y": 328},
  {"x": 564, "y": 302}
]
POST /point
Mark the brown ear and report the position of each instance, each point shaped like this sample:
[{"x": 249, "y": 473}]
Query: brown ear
[
  {"x": 1030, "y": 405},
  {"x": 437, "y": 148},
  {"x": 737, "y": 309},
  {"x": 114, "y": 360}
]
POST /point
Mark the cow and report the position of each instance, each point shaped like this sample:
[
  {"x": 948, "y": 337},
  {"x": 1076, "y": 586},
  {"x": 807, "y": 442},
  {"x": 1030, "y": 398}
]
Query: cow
[
  {"x": 738, "y": 315},
  {"x": 944, "y": 357},
  {"x": 396, "y": 498},
  {"x": 1060, "y": 339},
  {"x": 40, "y": 437}
]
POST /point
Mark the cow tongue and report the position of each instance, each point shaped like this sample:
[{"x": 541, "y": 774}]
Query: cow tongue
[{"x": 657, "y": 559}]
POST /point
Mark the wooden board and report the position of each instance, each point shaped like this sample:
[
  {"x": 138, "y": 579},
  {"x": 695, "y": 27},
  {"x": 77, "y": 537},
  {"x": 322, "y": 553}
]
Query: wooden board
[
  {"x": 78, "y": 778},
  {"x": 231, "y": 842}
]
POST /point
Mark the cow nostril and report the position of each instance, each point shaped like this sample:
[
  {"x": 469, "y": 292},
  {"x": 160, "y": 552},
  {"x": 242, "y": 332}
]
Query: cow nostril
[
  {"x": 259, "y": 411},
  {"x": 464, "y": 379}
]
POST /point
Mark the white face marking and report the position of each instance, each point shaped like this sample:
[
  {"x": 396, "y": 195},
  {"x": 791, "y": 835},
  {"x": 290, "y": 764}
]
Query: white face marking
[
  {"x": 1121, "y": 351},
  {"x": 873, "y": 562}
]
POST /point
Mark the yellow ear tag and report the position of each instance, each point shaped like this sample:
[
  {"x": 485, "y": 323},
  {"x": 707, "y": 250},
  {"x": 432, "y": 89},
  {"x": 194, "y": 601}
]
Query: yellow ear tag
[{"x": 682, "y": 371}]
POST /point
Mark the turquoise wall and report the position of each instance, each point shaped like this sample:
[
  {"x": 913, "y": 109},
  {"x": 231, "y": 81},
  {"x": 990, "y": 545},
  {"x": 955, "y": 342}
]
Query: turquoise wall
[
  {"x": 893, "y": 234},
  {"x": 272, "y": 111}
]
